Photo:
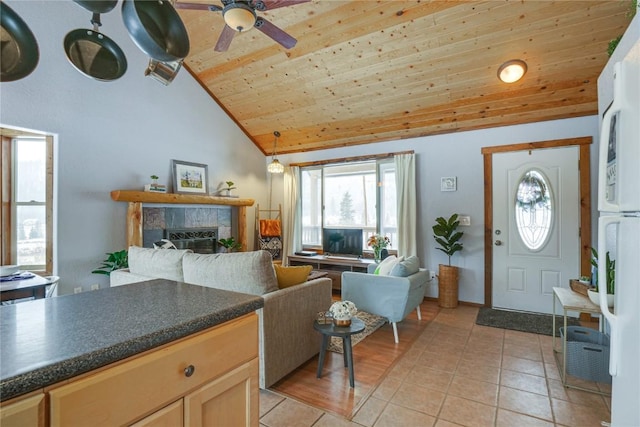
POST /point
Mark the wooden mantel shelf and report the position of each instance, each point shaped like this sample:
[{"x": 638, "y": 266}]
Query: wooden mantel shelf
[
  {"x": 182, "y": 199},
  {"x": 137, "y": 198}
]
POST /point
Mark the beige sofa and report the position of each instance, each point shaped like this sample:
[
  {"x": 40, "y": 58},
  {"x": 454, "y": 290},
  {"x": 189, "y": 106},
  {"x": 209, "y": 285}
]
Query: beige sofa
[{"x": 287, "y": 337}]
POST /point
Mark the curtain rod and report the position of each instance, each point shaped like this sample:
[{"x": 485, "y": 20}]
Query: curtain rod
[{"x": 350, "y": 159}]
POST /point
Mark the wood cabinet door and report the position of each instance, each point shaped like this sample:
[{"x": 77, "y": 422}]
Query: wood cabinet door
[
  {"x": 25, "y": 412},
  {"x": 231, "y": 400},
  {"x": 169, "y": 416}
]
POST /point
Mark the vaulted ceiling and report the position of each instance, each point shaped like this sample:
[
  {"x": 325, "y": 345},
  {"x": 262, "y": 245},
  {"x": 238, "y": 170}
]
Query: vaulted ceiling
[{"x": 371, "y": 71}]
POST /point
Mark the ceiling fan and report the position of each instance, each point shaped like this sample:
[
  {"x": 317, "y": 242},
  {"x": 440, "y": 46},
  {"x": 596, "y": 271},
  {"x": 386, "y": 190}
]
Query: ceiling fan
[{"x": 240, "y": 15}]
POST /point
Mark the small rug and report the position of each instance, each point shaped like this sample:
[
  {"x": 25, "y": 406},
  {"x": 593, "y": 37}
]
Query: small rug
[
  {"x": 371, "y": 323},
  {"x": 519, "y": 321}
]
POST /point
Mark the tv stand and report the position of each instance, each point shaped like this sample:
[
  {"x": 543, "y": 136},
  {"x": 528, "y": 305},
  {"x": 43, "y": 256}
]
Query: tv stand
[{"x": 334, "y": 265}]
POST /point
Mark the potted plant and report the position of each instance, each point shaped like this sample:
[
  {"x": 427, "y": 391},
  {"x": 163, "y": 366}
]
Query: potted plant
[
  {"x": 228, "y": 188},
  {"x": 230, "y": 244},
  {"x": 610, "y": 278},
  {"x": 114, "y": 261},
  {"x": 448, "y": 238}
]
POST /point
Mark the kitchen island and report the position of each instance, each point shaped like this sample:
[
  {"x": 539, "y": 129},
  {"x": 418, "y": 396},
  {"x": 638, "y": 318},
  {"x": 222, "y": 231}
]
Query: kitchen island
[{"x": 91, "y": 344}]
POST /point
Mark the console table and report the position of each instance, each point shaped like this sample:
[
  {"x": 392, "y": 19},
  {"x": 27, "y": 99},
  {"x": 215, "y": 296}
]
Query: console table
[
  {"x": 571, "y": 301},
  {"x": 332, "y": 265}
]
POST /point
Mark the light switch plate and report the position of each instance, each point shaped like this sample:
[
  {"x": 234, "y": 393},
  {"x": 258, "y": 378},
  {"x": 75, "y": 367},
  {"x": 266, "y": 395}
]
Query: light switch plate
[{"x": 464, "y": 220}]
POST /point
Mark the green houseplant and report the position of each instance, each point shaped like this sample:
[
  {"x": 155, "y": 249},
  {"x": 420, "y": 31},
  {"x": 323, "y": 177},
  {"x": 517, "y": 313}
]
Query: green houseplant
[
  {"x": 610, "y": 277},
  {"x": 447, "y": 236},
  {"x": 230, "y": 244},
  {"x": 114, "y": 261}
]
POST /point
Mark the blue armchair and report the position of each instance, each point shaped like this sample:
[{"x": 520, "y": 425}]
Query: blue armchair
[{"x": 388, "y": 296}]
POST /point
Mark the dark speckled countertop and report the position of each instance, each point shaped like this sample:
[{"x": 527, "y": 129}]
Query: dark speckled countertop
[{"x": 49, "y": 340}]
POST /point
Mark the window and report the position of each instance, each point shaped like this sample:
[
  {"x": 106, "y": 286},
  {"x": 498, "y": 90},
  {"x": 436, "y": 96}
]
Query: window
[
  {"x": 533, "y": 209},
  {"x": 27, "y": 183},
  {"x": 348, "y": 195}
]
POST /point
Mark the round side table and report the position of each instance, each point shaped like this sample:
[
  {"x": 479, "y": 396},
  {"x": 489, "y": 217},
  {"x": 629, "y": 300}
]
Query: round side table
[{"x": 344, "y": 332}]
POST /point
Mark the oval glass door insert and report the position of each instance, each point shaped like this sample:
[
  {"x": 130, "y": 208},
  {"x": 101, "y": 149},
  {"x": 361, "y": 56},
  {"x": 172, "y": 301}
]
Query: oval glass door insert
[{"x": 533, "y": 209}]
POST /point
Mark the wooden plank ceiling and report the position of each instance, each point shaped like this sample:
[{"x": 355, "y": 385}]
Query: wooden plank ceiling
[{"x": 371, "y": 71}]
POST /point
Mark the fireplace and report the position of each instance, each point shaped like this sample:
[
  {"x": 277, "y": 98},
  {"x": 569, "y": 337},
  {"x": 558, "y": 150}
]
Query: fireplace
[{"x": 199, "y": 240}]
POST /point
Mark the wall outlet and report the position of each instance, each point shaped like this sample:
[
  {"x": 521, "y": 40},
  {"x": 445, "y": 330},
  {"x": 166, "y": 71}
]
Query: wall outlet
[
  {"x": 464, "y": 220},
  {"x": 77, "y": 290},
  {"x": 95, "y": 287},
  {"x": 432, "y": 274}
]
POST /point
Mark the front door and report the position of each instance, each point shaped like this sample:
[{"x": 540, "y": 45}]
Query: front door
[{"x": 536, "y": 223}]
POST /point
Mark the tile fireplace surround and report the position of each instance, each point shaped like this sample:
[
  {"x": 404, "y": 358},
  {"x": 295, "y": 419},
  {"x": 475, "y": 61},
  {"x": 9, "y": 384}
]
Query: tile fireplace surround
[
  {"x": 156, "y": 220},
  {"x": 146, "y": 224}
]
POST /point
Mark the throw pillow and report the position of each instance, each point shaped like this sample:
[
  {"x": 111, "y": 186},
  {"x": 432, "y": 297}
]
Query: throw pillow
[
  {"x": 406, "y": 268},
  {"x": 291, "y": 276},
  {"x": 387, "y": 264}
]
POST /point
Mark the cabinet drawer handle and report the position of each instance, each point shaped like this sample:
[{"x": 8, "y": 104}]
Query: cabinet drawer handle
[{"x": 189, "y": 370}]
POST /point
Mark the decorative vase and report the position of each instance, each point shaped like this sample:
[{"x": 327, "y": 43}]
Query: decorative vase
[
  {"x": 342, "y": 322},
  {"x": 377, "y": 252}
]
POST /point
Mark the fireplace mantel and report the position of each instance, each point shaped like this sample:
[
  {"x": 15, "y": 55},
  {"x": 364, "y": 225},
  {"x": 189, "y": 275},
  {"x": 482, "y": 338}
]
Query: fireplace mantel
[{"x": 137, "y": 198}]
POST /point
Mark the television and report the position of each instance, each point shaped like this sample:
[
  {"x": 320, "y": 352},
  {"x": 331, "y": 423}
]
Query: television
[{"x": 342, "y": 241}]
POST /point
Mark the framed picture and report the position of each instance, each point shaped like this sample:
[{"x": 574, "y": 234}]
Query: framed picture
[
  {"x": 189, "y": 178},
  {"x": 448, "y": 183}
]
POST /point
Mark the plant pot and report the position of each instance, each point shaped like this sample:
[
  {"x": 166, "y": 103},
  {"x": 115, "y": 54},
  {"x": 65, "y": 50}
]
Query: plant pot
[
  {"x": 448, "y": 286},
  {"x": 595, "y": 298}
]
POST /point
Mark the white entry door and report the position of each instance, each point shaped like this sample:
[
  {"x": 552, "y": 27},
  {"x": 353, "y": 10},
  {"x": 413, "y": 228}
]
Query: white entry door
[{"x": 536, "y": 221}]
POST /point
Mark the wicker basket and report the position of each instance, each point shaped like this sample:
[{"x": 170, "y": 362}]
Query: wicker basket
[
  {"x": 448, "y": 286},
  {"x": 579, "y": 287}
]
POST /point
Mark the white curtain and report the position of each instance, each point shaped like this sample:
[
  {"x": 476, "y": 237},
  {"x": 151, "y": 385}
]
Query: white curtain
[
  {"x": 406, "y": 200},
  {"x": 291, "y": 214}
]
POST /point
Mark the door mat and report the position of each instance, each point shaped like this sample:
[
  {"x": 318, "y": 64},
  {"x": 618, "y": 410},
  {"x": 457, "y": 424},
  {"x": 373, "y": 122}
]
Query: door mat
[
  {"x": 371, "y": 323},
  {"x": 519, "y": 321}
]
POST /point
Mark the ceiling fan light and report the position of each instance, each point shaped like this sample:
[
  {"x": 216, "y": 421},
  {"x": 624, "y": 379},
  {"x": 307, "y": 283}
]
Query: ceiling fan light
[
  {"x": 239, "y": 16},
  {"x": 512, "y": 71},
  {"x": 275, "y": 167}
]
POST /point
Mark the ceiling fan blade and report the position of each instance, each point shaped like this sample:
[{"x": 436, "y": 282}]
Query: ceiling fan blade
[
  {"x": 263, "y": 5},
  {"x": 275, "y": 33},
  {"x": 197, "y": 6},
  {"x": 224, "y": 41}
]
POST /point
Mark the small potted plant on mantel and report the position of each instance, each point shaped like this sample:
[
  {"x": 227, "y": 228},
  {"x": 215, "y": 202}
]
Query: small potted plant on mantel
[
  {"x": 226, "y": 191},
  {"x": 446, "y": 235}
]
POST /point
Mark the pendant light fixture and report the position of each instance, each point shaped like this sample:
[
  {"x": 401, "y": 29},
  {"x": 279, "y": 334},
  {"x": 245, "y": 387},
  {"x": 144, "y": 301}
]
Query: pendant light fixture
[
  {"x": 275, "y": 166},
  {"x": 512, "y": 71}
]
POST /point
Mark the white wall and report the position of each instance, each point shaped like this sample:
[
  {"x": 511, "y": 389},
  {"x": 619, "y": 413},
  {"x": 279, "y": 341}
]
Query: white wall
[
  {"x": 458, "y": 154},
  {"x": 114, "y": 135}
]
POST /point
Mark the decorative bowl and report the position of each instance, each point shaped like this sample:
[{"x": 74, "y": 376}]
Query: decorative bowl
[
  {"x": 595, "y": 298},
  {"x": 342, "y": 322},
  {"x": 8, "y": 270}
]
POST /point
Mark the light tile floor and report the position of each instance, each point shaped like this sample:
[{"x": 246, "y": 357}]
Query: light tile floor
[{"x": 458, "y": 373}]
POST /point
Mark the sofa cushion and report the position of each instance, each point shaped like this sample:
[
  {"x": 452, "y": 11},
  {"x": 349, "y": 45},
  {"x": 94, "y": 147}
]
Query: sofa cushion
[
  {"x": 291, "y": 276},
  {"x": 387, "y": 264},
  {"x": 160, "y": 263},
  {"x": 406, "y": 267},
  {"x": 246, "y": 272}
]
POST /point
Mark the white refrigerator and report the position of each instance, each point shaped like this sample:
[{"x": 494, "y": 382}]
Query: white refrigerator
[{"x": 619, "y": 222}]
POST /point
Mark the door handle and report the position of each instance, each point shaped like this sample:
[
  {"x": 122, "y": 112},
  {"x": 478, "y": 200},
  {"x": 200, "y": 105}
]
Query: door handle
[{"x": 498, "y": 243}]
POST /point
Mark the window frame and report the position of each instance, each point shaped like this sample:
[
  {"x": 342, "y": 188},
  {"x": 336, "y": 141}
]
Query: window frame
[
  {"x": 8, "y": 243},
  {"x": 382, "y": 164}
]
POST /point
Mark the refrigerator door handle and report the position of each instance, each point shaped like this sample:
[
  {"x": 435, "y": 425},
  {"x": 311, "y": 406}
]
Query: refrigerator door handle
[{"x": 614, "y": 339}]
